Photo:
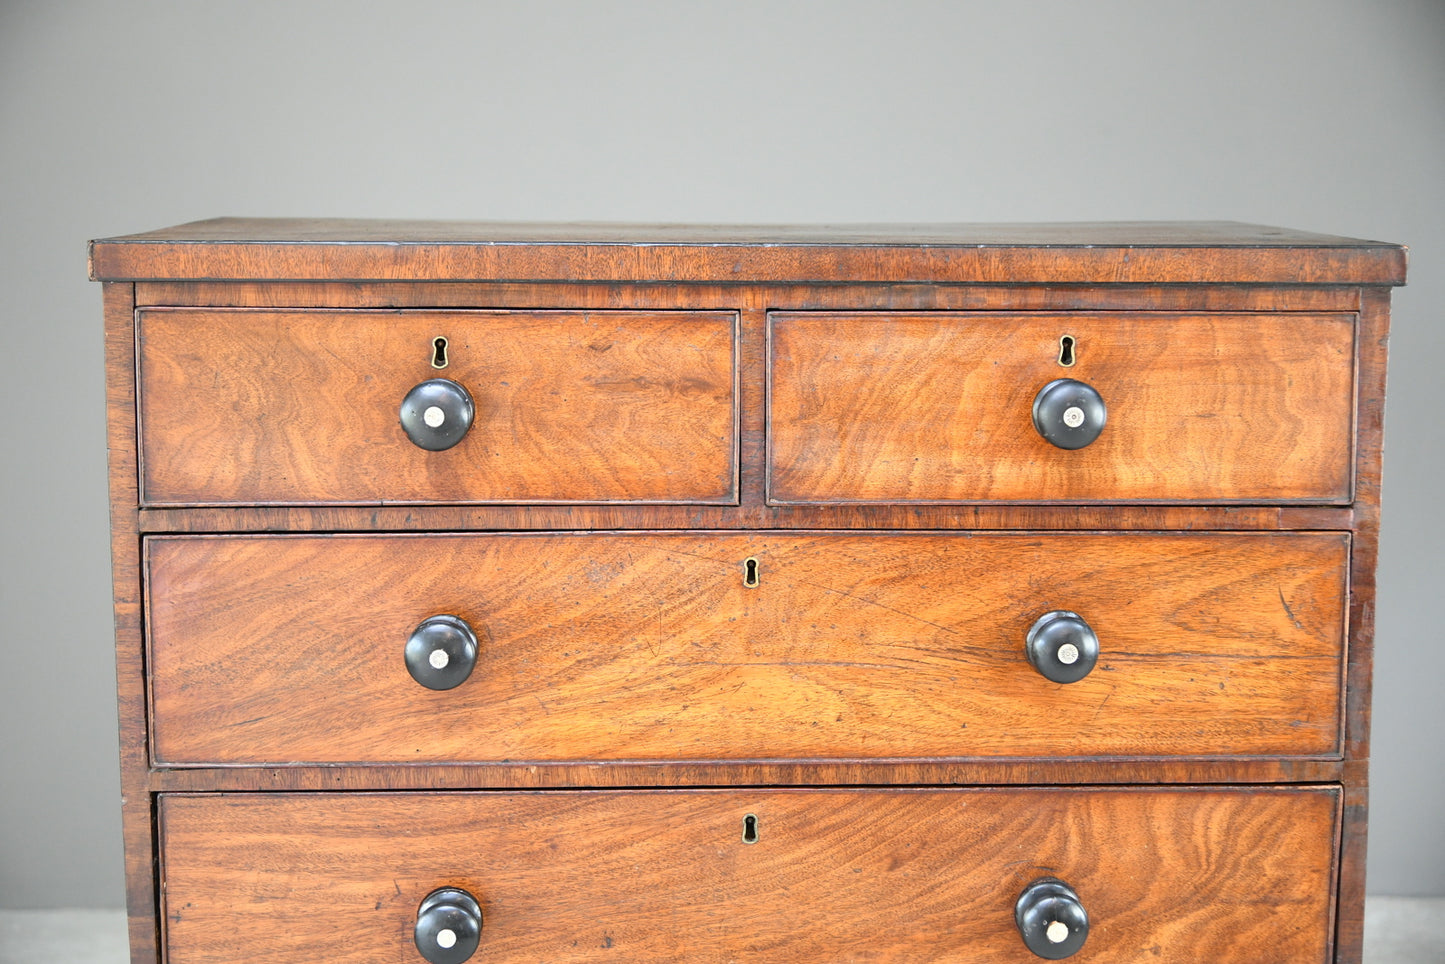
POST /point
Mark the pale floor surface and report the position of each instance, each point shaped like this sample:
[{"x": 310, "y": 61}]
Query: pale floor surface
[{"x": 1398, "y": 930}]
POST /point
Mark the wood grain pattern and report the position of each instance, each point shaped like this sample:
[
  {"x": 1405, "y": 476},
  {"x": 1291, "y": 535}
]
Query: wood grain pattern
[
  {"x": 1373, "y": 350},
  {"x": 936, "y": 408},
  {"x": 749, "y": 515},
  {"x": 875, "y": 296},
  {"x": 1099, "y": 253},
  {"x": 885, "y": 771},
  {"x": 267, "y": 407},
  {"x": 137, "y": 824},
  {"x": 1180, "y": 875},
  {"x": 752, "y": 392},
  {"x": 649, "y": 646},
  {"x": 1281, "y": 612},
  {"x": 1375, "y": 329}
]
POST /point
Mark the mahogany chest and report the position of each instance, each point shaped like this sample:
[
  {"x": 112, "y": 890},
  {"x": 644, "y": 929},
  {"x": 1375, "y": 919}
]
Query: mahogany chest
[{"x": 509, "y": 592}]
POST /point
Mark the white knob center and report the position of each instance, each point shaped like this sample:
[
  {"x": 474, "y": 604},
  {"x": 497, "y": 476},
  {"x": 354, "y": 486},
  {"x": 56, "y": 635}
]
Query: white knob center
[
  {"x": 1057, "y": 932},
  {"x": 1073, "y": 416},
  {"x": 434, "y": 417},
  {"x": 446, "y": 937},
  {"x": 439, "y": 660},
  {"x": 1068, "y": 654}
]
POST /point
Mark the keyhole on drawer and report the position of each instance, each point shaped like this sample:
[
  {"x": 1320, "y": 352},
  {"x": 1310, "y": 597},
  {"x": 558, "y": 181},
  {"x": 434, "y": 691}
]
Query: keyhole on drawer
[
  {"x": 439, "y": 352},
  {"x": 750, "y": 828},
  {"x": 1066, "y": 351},
  {"x": 750, "y": 572}
]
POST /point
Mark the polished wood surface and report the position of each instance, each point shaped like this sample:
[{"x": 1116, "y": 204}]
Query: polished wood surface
[
  {"x": 1060, "y": 234},
  {"x": 245, "y": 407},
  {"x": 248, "y": 249},
  {"x": 751, "y": 515},
  {"x": 650, "y": 646},
  {"x": 874, "y": 296},
  {"x": 1373, "y": 350},
  {"x": 1289, "y": 282},
  {"x": 1181, "y": 875},
  {"x": 137, "y": 816},
  {"x": 888, "y": 771},
  {"x": 933, "y": 408}
]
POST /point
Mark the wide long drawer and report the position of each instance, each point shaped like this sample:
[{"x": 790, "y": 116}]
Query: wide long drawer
[
  {"x": 940, "y": 407},
  {"x": 254, "y": 407},
  {"x": 1186, "y": 875},
  {"x": 726, "y": 646}
]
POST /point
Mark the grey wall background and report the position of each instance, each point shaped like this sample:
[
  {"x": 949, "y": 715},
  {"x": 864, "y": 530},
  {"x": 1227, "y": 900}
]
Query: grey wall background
[{"x": 120, "y": 117}]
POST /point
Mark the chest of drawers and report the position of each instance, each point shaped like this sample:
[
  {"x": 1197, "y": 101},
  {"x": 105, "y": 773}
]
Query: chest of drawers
[{"x": 508, "y": 592}]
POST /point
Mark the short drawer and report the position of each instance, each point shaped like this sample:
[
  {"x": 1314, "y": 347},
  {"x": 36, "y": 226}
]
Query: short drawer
[
  {"x": 1224, "y": 408},
  {"x": 241, "y": 406},
  {"x": 1231, "y": 875},
  {"x": 724, "y": 646}
]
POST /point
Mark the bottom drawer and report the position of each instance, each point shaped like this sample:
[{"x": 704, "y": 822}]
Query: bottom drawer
[{"x": 1164, "y": 874}]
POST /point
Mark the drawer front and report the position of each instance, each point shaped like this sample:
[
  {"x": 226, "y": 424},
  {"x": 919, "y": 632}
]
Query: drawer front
[
  {"x": 651, "y": 646},
  {"x": 263, "y": 407},
  {"x": 1242, "y": 408},
  {"x": 1184, "y": 875}
]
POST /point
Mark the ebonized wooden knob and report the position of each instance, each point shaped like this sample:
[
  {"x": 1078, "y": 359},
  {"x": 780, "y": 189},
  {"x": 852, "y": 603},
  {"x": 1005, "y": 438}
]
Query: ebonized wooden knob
[
  {"x": 1068, "y": 413},
  {"x": 441, "y": 652},
  {"x": 1061, "y": 646},
  {"x": 436, "y": 414},
  {"x": 1051, "y": 919},
  {"x": 448, "y": 926}
]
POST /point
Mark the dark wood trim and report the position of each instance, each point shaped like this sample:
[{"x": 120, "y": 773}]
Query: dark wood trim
[
  {"x": 1039, "y": 772},
  {"x": 751, "y": 515},
  {"x": 1371, "y": 353},
  {"x": 1100, "y": 253},
  {"x": 136, "y": 811},
  {"x": 781, "y": 296},
  {"x": 266, "y": 261},
  {"x": 752, "y": 392},
  {"x": 1350, "y": 895},
  {"x": 1371, "y": 357}
]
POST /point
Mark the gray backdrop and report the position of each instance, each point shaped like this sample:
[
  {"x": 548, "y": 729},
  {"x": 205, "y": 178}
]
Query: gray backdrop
[{"x": 120, "y": 117}]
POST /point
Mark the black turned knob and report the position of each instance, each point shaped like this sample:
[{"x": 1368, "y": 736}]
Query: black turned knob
[
  {"x": 436, "y": 414},
  {"x": 1061, "y": 646},
  {"x": 1051, "y": 919},
  {"x": 1069, "y": 413},
  {"x": 448, "y": 926},
  {"x": 441, "y": 652}
]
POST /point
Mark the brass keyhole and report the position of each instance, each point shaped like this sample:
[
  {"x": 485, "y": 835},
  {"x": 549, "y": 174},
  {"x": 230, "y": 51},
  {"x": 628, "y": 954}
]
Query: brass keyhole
[
  {"x": 439, "y": 352},
  {"x": 750, "y": 828},
  {"x": 750, "y": 572},
  {"x": 1066, "y": 351}
]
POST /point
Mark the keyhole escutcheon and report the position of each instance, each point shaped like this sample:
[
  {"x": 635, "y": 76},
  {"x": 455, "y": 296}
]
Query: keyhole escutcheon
[
  {"x": 750, "y": 828},
  {"x": 750, "y": 572},
  {"x": 1066, "y": 351},
  {"x": 439, "y": 352}
]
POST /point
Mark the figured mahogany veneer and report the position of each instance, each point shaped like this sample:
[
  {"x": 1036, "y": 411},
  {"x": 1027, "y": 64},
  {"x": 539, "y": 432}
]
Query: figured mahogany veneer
[
  {"x": 1248, "y": 408},
  {"x": 247, "y": 407},
  {"x": 908, "y": 876},
  {"x": 848, "y": 408},
  {"x": 650, "y": 647}
]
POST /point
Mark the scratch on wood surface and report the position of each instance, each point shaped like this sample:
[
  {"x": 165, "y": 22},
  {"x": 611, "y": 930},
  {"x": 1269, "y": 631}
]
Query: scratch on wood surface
[{"x": 1288, "y": 612}]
